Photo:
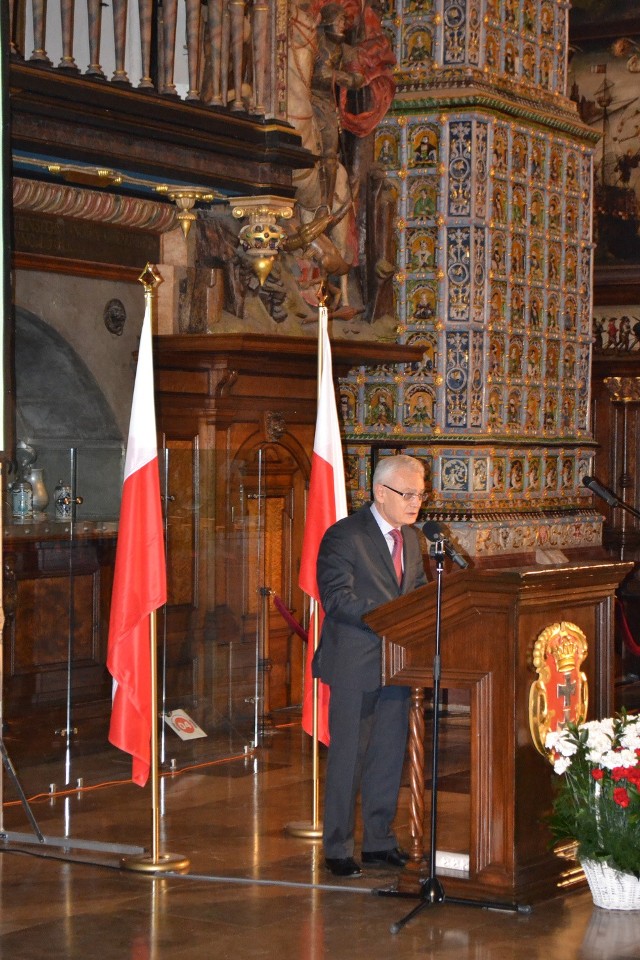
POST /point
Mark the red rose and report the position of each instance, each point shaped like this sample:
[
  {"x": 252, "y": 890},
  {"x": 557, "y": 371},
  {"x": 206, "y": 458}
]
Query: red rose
[{"x": 621, "y": 797}]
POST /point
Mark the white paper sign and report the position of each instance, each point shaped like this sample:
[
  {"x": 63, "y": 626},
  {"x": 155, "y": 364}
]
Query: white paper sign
[{"x": 182, "y": 724}]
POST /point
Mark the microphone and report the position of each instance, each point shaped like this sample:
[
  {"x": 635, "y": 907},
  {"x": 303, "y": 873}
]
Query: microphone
[
  {"x": 436, "y": 531},
  {"x": 600, "y": 491}
]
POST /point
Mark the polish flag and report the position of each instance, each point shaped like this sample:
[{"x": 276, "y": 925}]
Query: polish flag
[
  {"x": 140, "y": 582},
  {"x": 327, "y": 502}
]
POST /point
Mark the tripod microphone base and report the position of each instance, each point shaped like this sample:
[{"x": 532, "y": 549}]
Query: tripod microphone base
[
  {"x": 432, "y": 890},
  {"x": 432, "y": 894}
]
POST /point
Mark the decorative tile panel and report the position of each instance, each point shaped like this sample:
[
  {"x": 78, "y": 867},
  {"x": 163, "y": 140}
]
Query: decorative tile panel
[{"x": 493, "y": 275}]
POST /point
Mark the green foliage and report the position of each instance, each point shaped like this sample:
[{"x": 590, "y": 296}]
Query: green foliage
[{"x": 597, "y": 800}]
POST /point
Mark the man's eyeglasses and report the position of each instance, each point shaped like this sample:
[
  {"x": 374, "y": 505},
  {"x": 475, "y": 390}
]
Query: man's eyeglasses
[{"x": 408, "y": 497}]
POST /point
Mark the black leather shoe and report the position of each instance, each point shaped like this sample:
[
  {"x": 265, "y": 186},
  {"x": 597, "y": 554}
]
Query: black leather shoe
[
  {"x": 385, "y": 858},
  {"x": 343, "y": 866}
]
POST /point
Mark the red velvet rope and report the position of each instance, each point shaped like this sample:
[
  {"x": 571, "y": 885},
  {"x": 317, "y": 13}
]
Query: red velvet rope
[
  {"x": 289, "y": 619},
  {"x": 625, "y": 630}
]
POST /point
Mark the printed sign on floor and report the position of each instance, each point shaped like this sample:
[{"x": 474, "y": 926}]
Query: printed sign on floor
[{"x": 182, "y": 724}]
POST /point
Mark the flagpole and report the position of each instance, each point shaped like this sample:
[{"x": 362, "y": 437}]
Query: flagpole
[
  {"x": 157, "y": 862},
  {"x": 316, "y": 826},
  {"x": 303, "y": 828}
]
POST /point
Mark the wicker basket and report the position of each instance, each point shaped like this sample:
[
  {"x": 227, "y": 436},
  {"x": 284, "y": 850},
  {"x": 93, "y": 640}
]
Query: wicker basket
[{"x": 611, "y": 889}]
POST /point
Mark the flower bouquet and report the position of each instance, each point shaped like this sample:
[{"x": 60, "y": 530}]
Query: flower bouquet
[{"x": 597, "y": 802}]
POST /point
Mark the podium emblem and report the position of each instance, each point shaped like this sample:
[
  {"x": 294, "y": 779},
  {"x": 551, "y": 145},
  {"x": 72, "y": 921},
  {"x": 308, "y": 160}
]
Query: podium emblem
[{"x": 560, "y": 694}]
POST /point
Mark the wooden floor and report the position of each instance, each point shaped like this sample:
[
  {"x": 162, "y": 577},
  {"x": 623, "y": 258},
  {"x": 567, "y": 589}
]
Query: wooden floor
[{"x": 252, "y": 890}]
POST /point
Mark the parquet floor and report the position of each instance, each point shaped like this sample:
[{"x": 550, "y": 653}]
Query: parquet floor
[{"x": 252, "y": 890}]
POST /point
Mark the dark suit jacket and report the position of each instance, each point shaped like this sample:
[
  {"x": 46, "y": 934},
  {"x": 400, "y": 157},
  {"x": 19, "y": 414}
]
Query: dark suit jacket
[{"x": 356, "y": 575}]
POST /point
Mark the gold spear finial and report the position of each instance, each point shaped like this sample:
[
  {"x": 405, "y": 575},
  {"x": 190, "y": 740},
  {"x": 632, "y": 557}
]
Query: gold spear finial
[
  {"x": 323, "y": 293},
  {"x": 149, "y": 279}
]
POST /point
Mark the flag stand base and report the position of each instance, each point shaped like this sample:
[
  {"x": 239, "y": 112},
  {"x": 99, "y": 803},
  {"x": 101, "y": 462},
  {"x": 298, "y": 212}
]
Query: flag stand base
[
  {"x": 304, "y": 829},
  {"x": 165, "y": 863}
]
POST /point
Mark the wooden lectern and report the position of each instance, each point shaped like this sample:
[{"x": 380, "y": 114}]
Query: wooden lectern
[{"x": 490, "y": 622}]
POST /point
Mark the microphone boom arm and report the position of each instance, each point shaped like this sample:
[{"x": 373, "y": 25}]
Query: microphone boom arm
[
  {"x": 434, "y": 532},
  {"x": 608, "y": 496}
]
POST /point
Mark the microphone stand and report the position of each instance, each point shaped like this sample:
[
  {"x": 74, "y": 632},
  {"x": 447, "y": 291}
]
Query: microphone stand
[
  {"x": 609, "y": 497},
  {"x": 625, "y": 506},
  {"x": 432, "y": 892},
  {"x": 616, "y": 536}
]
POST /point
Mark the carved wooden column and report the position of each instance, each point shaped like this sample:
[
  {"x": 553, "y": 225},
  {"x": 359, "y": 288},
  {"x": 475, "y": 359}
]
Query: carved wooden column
[
  {"x": 260, "y": 33},
  {"x": 39, "y": 54},
  {"x": 412, "y": 873},
  {"x": 225, "y": 43},
  {"x": 236, "y": 8},
  {"x": 170, "y": 17},
  {"x": 194, "y": 20},
  {"x": 94, "y": 12},
  {"x": 66, "y": 20},
  {"x": 120, "y": 40},
  {"x": 145, "y": 13},
  {"x": 214, "y": 26},
  {"x": 625, "y": 396}
]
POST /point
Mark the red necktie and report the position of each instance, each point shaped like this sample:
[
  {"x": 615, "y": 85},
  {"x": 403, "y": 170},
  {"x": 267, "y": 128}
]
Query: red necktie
[{"x": 396, "y": 553}]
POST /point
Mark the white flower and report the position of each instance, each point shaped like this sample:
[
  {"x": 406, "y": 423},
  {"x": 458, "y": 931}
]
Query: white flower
[
  {"x": 630, "y": 738},
  {"x": 618, "y": 758},
  {"x": 599, "y": 738},
  {"x": 599, "y": 726},
  {"x": 561, "y": 765},
  {"x": 552, "y": 738},
  {"x": 561, "y": 742}
]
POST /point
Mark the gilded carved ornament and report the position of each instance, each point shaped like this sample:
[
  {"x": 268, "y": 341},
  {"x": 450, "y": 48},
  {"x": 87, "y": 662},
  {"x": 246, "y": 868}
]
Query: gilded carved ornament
[
  {"x": 261, "y": 238},
  {"x": 560, "y": 694},
  {"x": 623, "y": 389}
]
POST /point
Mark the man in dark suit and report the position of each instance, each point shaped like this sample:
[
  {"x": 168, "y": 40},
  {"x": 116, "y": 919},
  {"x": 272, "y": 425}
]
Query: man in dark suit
[{"x": 365, "y": 560}]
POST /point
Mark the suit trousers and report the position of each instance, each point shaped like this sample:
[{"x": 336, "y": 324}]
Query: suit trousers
[{"x": 368, "y": 739}]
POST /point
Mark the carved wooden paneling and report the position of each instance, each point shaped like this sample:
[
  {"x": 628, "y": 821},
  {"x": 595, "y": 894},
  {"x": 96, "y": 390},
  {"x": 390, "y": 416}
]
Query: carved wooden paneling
[
  {"x": 57, "y": 618},
  {"x": 490, "y": 620},
  {"x": 249, "y": 404}
]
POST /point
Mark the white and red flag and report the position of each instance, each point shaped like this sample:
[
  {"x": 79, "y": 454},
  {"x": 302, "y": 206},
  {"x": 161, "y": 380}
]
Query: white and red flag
[
  {"x": 327, "y": 502},
  {"x": 140, "y": 582}
]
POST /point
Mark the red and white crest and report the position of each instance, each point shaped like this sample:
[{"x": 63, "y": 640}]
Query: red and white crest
[{"x": 560, "y": 694}]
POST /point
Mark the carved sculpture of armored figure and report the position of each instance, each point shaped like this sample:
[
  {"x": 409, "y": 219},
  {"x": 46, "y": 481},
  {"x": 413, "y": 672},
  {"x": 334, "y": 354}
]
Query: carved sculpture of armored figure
[
  {"x": 331, "y": 69},
  {"x": 324, "y": 71}
]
